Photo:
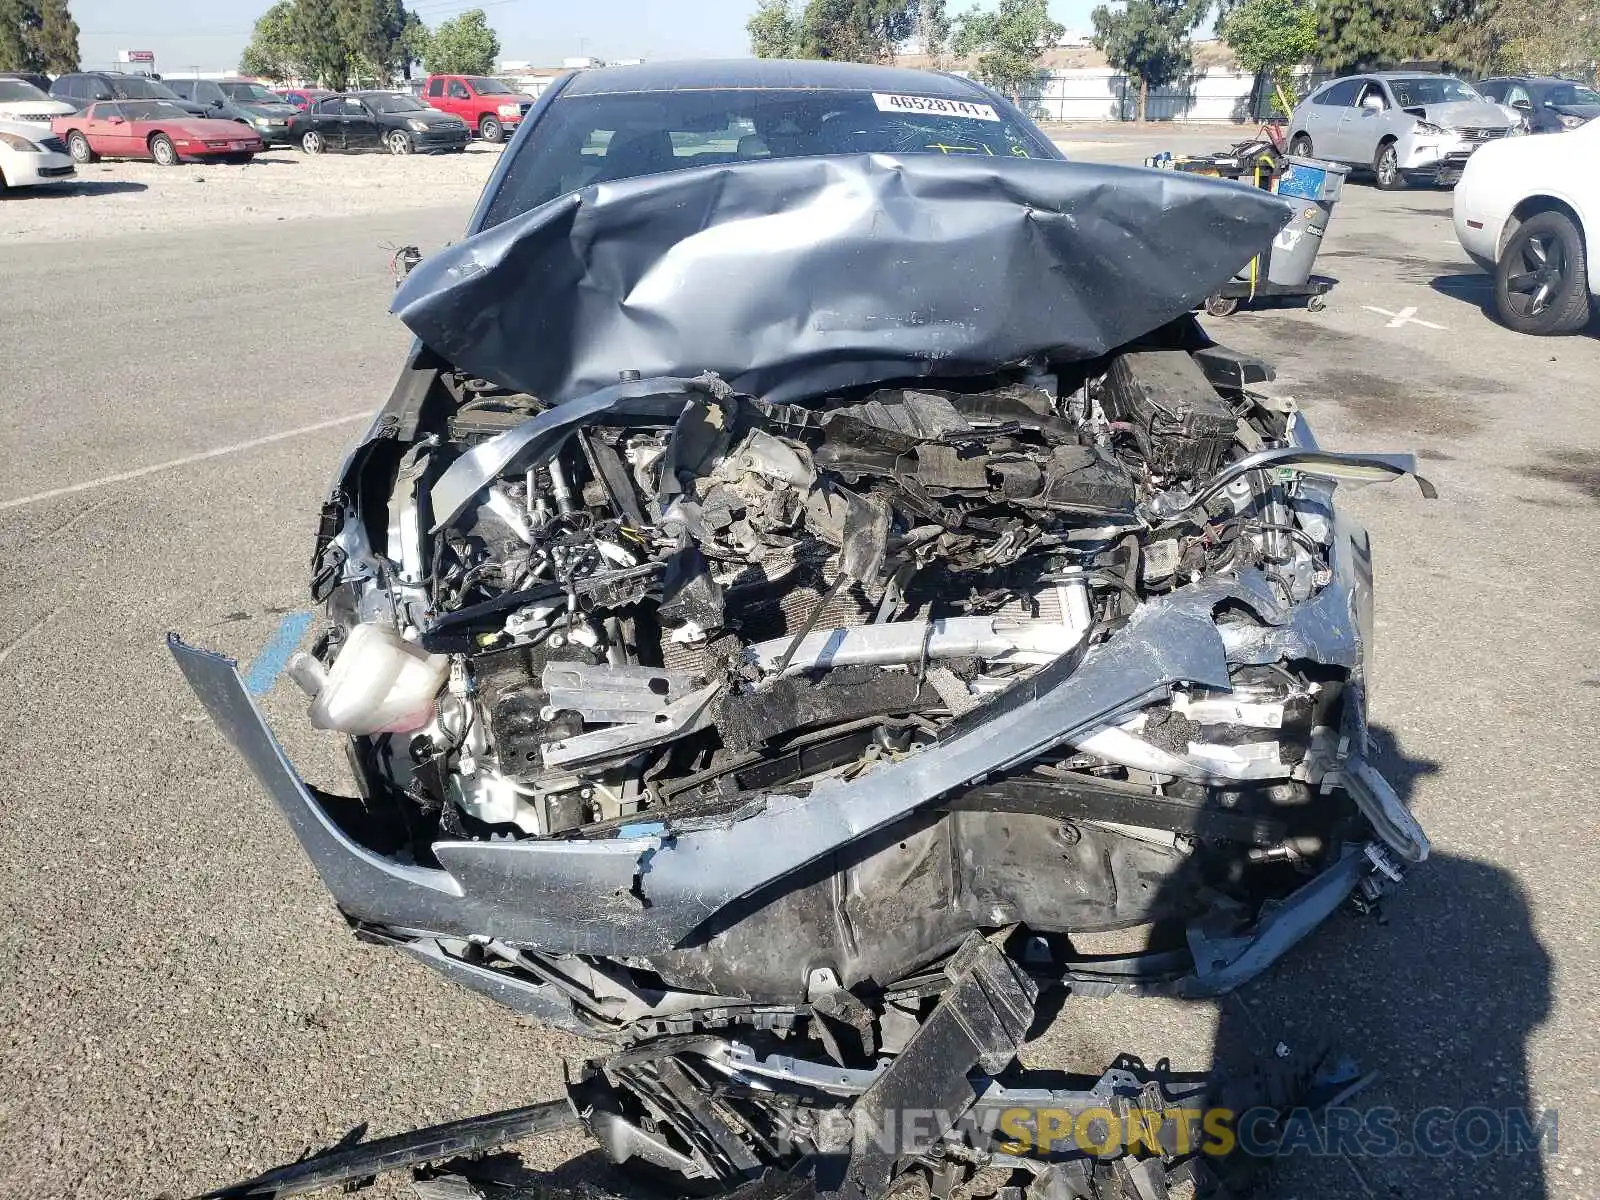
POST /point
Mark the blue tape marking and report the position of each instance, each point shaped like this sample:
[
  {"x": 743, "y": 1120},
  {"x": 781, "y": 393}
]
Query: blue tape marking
[{"x": 274, "y": 656}]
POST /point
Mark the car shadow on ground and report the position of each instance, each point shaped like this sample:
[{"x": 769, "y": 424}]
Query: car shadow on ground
[
  {"x": 85, "y": 187},
  {"x": 1475, "y": 288},
  {"x": 1439, "y": 995}
]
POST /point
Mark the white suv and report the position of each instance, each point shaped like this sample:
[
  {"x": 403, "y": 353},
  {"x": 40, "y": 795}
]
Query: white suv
[{"x": 1405, "y": 128}]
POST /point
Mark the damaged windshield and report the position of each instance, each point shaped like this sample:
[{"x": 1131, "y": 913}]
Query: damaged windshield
[
  {"x": 1432, "y": 89},
  {"x": 602, "y": 139}
]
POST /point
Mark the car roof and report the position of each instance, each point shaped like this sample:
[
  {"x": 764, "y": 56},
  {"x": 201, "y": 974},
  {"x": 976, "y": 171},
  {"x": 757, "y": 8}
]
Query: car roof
[
  {"x": 769, "y": 73},
  {"x": 1541, "y": 80},
  {"x": 1416, "y": 75}
]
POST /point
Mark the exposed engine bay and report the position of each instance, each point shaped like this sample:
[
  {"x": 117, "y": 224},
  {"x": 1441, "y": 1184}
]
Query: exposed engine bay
[
  {"x": 686, "y": 603},
  {"x": 780, "y": 737}
]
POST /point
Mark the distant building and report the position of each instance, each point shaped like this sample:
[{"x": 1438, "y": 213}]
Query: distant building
[{"x": 582, "y": 63}]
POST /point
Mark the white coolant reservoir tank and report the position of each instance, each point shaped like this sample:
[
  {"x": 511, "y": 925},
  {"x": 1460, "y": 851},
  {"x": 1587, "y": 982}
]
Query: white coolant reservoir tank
[{"x": 378, "y": 683}]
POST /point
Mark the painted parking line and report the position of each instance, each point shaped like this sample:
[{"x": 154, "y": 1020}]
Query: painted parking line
[
  {"x": 1406, "y": 316},
  {"x": 275, "y": 655},
  {"x": 90, "y": 485}
]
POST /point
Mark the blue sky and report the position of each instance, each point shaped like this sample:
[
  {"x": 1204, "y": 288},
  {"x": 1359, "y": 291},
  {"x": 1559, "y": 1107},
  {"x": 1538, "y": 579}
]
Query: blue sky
[{"x": 208, "y": 34}]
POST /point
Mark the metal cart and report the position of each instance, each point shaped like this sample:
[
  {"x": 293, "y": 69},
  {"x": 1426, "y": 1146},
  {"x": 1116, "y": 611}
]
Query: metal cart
[{"x": 1283, "y": 270}]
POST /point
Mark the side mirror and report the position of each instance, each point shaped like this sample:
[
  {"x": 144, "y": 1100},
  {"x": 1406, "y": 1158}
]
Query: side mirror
[
  {"x": 113, "y": 120},
  {"x": 1526, "y": 104},
  {"x": 1373, "y": 103},
  {"x": 216, "y": 104}
]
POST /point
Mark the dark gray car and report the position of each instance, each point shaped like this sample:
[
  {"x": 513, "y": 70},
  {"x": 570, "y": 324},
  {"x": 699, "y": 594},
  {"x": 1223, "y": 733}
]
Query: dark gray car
[
  {"x": 1547, "y": 105},
  {"x": 240, "y": 100}
]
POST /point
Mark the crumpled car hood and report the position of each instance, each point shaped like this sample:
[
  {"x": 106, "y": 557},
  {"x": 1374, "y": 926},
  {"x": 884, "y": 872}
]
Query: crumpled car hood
[
  {"x": 1464, "y": 114},
  {"x": 793, "y": 277}
]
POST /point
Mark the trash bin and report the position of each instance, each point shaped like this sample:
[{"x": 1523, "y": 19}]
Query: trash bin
[{"x": 1314, "y": 186}]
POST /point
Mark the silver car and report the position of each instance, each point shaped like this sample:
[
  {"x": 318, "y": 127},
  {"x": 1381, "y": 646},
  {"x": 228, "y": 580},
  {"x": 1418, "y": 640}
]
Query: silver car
[{"x": 1405, "y": 128}]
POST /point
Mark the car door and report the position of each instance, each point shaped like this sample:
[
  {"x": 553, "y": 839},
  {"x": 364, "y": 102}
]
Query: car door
[
  {"x": 1363, "y": 123},
  {"x": 327, "y": 118},
  {"x": 209, "y": 96},
  {"x": 362, "y": 128},
  {"x": 460, "y": 102},
  {"x": 128, "y": 133},
  {"x": 1324, "y": 114},
  {"x": 106, "y": 129},
  {"x": 1518, "y": 97}
]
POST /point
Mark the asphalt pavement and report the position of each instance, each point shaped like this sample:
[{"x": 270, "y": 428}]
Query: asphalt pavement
[{"x": 183, "y": 1006}]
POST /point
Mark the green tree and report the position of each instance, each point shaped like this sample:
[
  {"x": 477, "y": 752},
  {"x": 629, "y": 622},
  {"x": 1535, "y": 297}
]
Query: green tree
[
  {"x": 38, "y": 35},
  {"x": 1271, "y": 38},
  {"x": 17, "y": 23},
  {"x": 1363, "y": 35},
  {"x": 57, "y": 44},
  {"x": 1149, "y": 40},
  {"x": 414, "y": 42},
  {"x": 1548, "y": 37},
  {"x": 1358, "y": 35},
  {"x": 463, "y": 46},
  {"x": 933, "y": 33},
  {"x": 318, "y": 37},
  {"x": 334, "y": 41},
  {"x": 855, "y": 30},
  {"x": 375, "y": 31},
  {"x": 774, "y": 30},
  {"x": 273, "y": 52},
  {"x": 1010, "y": 43}
]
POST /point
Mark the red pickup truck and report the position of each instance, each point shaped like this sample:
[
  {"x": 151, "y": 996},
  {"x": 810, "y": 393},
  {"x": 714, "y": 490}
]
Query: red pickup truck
[{"x": 488, "y": 106}]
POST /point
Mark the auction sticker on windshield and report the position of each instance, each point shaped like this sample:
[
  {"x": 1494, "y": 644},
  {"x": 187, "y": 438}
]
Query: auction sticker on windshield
[{"x": 935, "y": 106}]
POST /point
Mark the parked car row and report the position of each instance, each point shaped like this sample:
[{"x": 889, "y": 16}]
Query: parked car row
[
  {"x": 1526, "y": 209},
  {"x": 1411, "y": 127}
]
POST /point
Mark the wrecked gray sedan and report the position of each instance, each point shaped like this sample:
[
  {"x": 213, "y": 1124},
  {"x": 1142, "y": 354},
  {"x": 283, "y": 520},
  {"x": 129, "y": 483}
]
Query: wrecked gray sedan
[{"x": 813, "y": 564}]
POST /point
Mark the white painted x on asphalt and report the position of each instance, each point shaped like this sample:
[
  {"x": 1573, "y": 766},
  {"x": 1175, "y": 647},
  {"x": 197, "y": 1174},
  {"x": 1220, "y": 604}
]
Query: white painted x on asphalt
[{"x": 1406, "y": 316}]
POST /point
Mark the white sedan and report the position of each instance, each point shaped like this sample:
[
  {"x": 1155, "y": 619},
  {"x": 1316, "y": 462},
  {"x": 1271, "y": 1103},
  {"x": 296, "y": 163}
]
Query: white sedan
[
  {"x": 1528, "y": 211},
  {"x": 31, "y": 155}
]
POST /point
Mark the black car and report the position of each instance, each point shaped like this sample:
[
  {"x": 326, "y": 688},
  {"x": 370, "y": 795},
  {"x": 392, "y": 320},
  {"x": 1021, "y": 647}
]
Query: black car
[
  {"x": 1548, "y": 105},
  {"x": 243, "y": 101},
  {"x": 397, "y": 121},
  {"x": 83, "y": 88},
  {"x": 42, "y": 82}
]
